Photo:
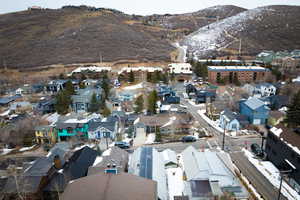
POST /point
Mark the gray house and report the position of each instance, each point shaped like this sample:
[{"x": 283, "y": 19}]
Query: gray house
[{"x": 81, "y": 101}]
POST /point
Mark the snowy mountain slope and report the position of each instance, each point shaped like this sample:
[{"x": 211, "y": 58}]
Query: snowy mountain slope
[{"x": 271, "y": 27}]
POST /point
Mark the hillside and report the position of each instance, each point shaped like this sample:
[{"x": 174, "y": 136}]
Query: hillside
[
  {"x": 271, "y": 27},
  {"x": 73, "y": 35},
  {"x": 190, "y": 22}
]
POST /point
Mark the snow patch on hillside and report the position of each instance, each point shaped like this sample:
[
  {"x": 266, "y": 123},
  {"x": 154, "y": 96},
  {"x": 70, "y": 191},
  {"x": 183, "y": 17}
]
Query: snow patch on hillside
[{"x": 220, "y": 34}]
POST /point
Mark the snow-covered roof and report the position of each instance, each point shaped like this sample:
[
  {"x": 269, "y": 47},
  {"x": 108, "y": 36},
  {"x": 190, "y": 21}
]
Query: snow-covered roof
[
  {"x": 169, "y": 156},
  {"x": 236, "y": 68},
  {"x": 91, "y": 68},
  {"x": 141, "y": 68},
  {"x": 148, "y": 163}
]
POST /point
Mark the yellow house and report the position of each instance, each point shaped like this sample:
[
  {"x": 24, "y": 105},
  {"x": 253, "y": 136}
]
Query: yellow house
[{"x": 45, "y": 135}]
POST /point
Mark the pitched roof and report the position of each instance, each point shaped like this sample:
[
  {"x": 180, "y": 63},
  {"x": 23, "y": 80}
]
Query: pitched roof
[
  {"x": 254, "y": 103},
  {"x": 117, "y": 156},
  {"x": 229, "y": 115},
  {"x": 111, "y": 187}
]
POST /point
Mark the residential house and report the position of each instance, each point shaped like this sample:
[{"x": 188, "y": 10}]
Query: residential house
[
  {"x": 112, "y": 156},
  {"x": 276, "y": 102},
  {"x": 74, "y": 125},
  {"x": 74, "y": 168},
  {"x": 46, "y": 105},
  {"x": 82, "y": 99},
  {"x": 25, "y": 89},
  {"x": 148, "y": 163},
  {"x": 209, "y": 175},
  {"x": 255, "y": 109},
  {"x": 264, "y": 90},
  {"x": 283, "y": 150},
  {"x": 34, "y": 179},
  {"x": 99, "y": 129},
  {"x": 107, "y": 185},
  {"x": 172, "y": 99},
  {"x": 21, "y": 106},
  {"x": 204, "y": 96},
  {"x": 113, "y": 104},
  {"x": 45, "y": 134},
  {"x": 5, "y": 101},
  {"x": 55, "y": 86},
  {"x": 37, "y": 88},
  {"x": 229, "y": 121},
  {"x": 266, "y": 56},
  {"x": 167, "y": 123}
]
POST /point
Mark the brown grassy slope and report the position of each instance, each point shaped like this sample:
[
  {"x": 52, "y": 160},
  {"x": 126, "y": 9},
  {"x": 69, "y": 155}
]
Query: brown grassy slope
[
  {"x": 192, "y": 21},
  {"x": 38, "y": 38}
]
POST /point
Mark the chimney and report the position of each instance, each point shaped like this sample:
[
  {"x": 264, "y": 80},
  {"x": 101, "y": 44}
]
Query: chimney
[{"x": 57, "y": 162}]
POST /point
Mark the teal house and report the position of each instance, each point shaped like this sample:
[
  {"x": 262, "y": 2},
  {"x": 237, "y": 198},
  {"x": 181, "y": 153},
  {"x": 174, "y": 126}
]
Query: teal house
[{"x": 67, "y": 130}]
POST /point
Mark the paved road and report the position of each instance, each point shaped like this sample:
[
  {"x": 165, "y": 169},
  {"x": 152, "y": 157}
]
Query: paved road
[{"x": 262, "y": 185}]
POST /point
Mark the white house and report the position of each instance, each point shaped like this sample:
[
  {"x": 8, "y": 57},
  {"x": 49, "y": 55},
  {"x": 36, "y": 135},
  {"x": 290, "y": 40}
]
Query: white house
[
  {"x": 180, "y": 68},
  {"x": 264, "y": 90}
]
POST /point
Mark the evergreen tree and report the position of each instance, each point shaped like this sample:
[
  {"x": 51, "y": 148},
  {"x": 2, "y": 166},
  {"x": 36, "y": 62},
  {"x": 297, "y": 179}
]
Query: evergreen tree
[
  {"x": 152, "y": 99},
  {"x": 157, "y": 135},
  {"x": 94, "y": 104},
  {"x": 105, "y": 111},
  {"x": 149, "y": 77},
  {"x": 131, "y": 76},
  {"x": 63, "y": 101},
  {"x": 70, "y": 88},
  {"x": 293, "y": 113},
  {"x": 106, "y": 88},
  {"x": 139, "y": 104}
]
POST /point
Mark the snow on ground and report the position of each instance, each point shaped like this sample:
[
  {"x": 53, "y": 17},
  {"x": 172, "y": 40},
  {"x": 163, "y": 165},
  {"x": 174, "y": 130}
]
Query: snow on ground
[
  {"x": 175, "y": 182},
  {"x": 5, "y": 113},
  {"x": 196, "y": 105},
  {"x": 27, "y": 148},
  {"x": 98, "y": 160},
  {"x": 134, "y": 87},
  {"x": 150, "y": 138},
  {"x": 218, "y": 34},
  {"x": 6, "y": 151},
  {"x": 85, "y": 145},
  {"x": 170, "y": 122},
  {"x": 106, "y": 152},
  {"x": 273, "y": 175},
  {"x": 214, "y": 124}
]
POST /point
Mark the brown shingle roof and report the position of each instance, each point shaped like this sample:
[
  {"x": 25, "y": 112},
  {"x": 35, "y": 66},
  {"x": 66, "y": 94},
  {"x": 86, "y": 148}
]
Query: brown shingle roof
[{"x": 111, "y": 187}]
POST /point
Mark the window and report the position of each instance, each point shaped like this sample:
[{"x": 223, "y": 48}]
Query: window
[{"x": 254, "y": 76}]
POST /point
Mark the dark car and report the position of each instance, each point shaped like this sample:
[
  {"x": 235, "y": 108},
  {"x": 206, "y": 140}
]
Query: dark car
[
  {"x": 188, "y": 138},
  {"x": 255, "y": 148},
  {"x": 122, "y": 145}
]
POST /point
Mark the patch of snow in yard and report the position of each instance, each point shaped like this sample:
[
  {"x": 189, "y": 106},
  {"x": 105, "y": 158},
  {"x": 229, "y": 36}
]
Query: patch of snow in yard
[
  {"x": 196, "y": 105},
  {"x": 170, "y": 122},
  {"x": 214, "y": 124},
  {"x": 27, "y": 148},
  {"x": 175, "y": 182},
  {"x": 106, "y": 152},
  {"x": 6, "y": 151},
  {"x": 273, "y": 175},
  {"x": 134, "y": 87},
  {"x": 150, "y": 138},
  {"x": 98, "y": 160}
]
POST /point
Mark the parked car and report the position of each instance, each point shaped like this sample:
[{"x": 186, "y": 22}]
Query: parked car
[
  {"x": 188, "y": 138},
  {"x": 255, "y": 148},
  {"x": 122, "y": 145}
]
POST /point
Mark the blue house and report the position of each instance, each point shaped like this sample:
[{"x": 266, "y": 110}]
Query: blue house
[
  {"x": 98, "y": 130},
  {"x": 229, "y": 121},
  {"x": 255, "y": 109}
]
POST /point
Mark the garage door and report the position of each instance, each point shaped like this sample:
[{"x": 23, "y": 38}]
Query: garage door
[{"x": 256, "y": 121}]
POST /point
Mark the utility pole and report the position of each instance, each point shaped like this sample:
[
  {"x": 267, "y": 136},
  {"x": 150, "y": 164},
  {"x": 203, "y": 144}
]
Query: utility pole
[{"x": 223, "y": 142}]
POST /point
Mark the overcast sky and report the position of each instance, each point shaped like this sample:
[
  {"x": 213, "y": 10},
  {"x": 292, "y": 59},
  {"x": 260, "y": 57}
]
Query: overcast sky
[{"x": 141, "y": 7}]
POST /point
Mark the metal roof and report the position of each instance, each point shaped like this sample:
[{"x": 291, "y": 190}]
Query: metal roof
[
  {"x": 254, "y": 103},
  {"x": 236, "y": 68}
]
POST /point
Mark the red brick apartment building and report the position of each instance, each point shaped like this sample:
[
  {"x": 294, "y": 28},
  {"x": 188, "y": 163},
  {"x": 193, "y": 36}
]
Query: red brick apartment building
[{"x": 242, "y": 73}]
